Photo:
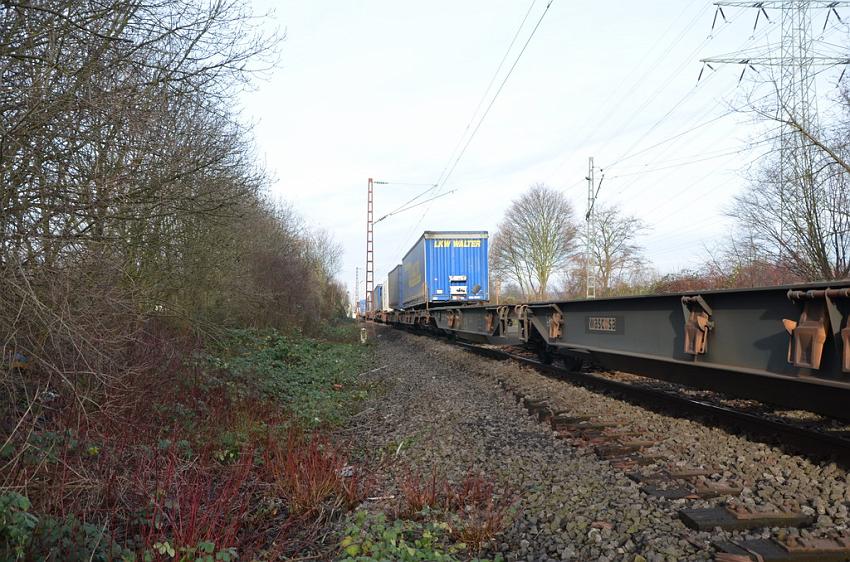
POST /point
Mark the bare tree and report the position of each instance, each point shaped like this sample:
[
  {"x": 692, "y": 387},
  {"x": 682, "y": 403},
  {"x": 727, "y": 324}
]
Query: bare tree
[
  {"x": 134, "y": 226},
  {"x": 128, "y": 185},
  {"x": 799, "y": 222},
  {"x": 615, "y": 255},
  {"x": 796, "y": 210},
  {"x": 535, "y": 240}
]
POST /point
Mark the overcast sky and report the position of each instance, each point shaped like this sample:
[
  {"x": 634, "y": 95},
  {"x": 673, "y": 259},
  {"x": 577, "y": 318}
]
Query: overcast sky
[{"x": 385, "y": 89}]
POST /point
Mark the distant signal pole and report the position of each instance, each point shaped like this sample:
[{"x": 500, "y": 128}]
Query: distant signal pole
[
  {"x": 356, "y": 290},
  {"x": 590, "y": 274},
  {"x": 370, "y": 244},
  {"x": 370, "y": 248}
]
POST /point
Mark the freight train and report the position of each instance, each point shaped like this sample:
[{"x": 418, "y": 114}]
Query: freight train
[{"x": 784, "y": 345}]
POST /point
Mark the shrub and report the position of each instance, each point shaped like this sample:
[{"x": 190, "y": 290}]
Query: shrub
[
  {"x": 420, "y": 493},
  {"x": 311, "y": 475},
  {"x": 471, "y": 511},
  {"x": 477, "y": 514}
]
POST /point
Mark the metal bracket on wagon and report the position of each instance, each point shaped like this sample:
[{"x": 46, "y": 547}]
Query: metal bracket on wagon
[
  {"x": 556, "y": 323},
  {"x": 808, "y": 335},
  {"x": 503, "y": 313},
  {"x": 521, "y": 311},
  {"x": 497, "y": 320},
  {"x": 454, "y": 318},
  {"x": 698, "y": 323}
]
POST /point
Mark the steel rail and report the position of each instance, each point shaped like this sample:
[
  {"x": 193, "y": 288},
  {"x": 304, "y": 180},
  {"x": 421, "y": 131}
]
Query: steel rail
[{"x": 791, "y": 438}]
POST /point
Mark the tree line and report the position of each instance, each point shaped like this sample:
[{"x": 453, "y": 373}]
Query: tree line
[
  {"x": 130, "y": 193},
  {"x": 791, "y": 224}
]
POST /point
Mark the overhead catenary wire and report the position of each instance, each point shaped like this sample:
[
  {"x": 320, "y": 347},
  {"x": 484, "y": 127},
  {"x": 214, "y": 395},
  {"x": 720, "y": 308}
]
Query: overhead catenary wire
[
  {"x": 408, "y": 207},
  {"x": 593, "y": 117},
  {"x": 632, "y": 152},
  {"x": 498, "y": 91},
  {"x": 436, "y": 184},
  {"x": 487, "y": 89},
  {"x": 406, "y": 183},
  {"x": 404, "y": 206},
  {"x": 444, "y": 177}
]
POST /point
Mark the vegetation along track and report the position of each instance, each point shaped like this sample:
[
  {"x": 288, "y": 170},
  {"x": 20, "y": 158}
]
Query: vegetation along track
[{"x": 712, "y": 495}]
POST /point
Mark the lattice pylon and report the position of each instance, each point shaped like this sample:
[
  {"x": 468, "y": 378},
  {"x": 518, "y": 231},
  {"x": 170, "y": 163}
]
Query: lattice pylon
[{"x": 370, "y": 248}]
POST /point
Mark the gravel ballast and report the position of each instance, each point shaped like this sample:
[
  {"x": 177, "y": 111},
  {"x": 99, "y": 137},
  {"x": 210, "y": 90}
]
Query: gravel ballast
[{"x": 442, "y": 409}]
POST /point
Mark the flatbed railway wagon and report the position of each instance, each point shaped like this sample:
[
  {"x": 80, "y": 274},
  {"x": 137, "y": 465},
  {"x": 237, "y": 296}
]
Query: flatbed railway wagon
[{"x": 447, "y": 267}]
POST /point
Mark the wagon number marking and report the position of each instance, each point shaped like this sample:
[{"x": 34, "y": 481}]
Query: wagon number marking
[{"x": 602, "y": 323}]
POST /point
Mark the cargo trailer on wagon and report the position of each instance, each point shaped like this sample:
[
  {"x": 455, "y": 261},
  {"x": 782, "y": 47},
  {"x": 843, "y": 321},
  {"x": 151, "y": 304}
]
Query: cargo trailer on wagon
[
  {"x": 394, "y": 288},
  {"x": 378, "y": 304},
  {"x": 446, "y": 267}
]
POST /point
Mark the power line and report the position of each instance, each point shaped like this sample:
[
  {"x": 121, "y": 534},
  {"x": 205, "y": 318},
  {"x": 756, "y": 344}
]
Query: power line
[
  {"x": 654, "y": 125},
  {"x": 445, "y": 177},
  {"x": 405, "y": 183},
  {"x": 750, "y": 146},
  {"x": 498, "y": 91},
  {"x": 487, "y": 89},
  {"x": 676, "y": 72},
  {"x": 670, "y": 139},
  {"x": 435, "y": 185},
  {"x": 676, "y": 159},
  {"x": 592, "y": 116},
  {"x": 669, "y": 80},
  {"x": 401, "y": 207},
  {"x": 677, "y": 165},
  {"x": 626, "y": 156},
  {"x": 408, "y": 207}
]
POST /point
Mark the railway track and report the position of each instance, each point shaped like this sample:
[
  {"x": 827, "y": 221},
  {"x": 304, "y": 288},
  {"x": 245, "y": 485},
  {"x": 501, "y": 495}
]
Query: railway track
[
  {"x": 808, "y": 441},
  {"x": 622, "y": 443}
]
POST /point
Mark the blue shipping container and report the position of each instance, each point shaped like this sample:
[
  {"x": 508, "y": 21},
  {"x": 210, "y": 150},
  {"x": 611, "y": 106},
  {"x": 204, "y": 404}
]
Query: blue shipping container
[
  {"x": 394, "y": 288},
  {"x": 446, "y": 267},
  {"x": 378, "y": 298}
]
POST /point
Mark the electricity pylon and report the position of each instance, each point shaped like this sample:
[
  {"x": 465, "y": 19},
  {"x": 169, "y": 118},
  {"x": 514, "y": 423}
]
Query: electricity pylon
[{"x": 796, "y": 95}]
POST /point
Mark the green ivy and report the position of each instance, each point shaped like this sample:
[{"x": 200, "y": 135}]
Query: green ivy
[
  {"x": 372, "y": 538},
  {"x": 204, "y": 551},
  {"x": 23, "y": 535},
  {"x": 313, "y": 380},
  {"x": 16, "y": 525}
]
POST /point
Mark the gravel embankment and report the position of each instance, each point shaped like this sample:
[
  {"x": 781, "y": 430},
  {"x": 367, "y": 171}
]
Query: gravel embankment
[{"x": 442, "y": 408}]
